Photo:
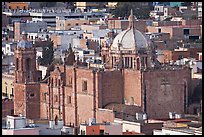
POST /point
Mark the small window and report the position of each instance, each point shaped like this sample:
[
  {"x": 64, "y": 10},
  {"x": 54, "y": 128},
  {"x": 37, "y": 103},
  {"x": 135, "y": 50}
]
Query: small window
[
  {"x": 12, "y": 91},
  {"x": 68, "y": 24},
  {"x": 32, "y": 95},
  {"x": 132, "y": 101},
  {"x": 44, "y": 97},
  {"x": 59, "y": 82},
  {"x": 77, "y": 24},
  {"x": 16, "y": 63},
  {"x": 83, "y": 132},
  {"x": 55, "y": 81},
  {"x": 27, "y": 64},
  {"x": 12, "y": 111},
  {"x": 101, "y": 132},
  {"x": 186, "y": 31},
  {"x": 68, "y": 99},
  {"x": 84, "y": 86},
  {"x": 56, "y": 98},
  {"x": 70, "y": 81},
  {"x": 180, "y": 57},
  {"x": 159, "y": 30}
]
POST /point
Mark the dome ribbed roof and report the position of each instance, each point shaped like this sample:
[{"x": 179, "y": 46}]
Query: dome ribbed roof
[
  {"x": 24, "y": 43},
  {"x": 130, "y": 39}
]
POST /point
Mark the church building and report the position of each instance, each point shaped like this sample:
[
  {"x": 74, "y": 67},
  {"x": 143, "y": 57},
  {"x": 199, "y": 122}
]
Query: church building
[{"x": 131, "y": 81}]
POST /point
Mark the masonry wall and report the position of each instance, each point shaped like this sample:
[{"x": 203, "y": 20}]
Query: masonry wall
[
  {"x": 69, "y": 92},
  {"x": 24, "y": 102},
  {"x": 33, "y": 102},
  {"x": 104, "y": 115},
  {"x": 85, "y": 99},
  {"x": 165, "y": 91},
  {"x": 132, "y": 87},
  {"x": 112, "y": 87},
  {"x": 19, "y": 104},
  {"x": 148, "y": 128},
  {"x": 7, "y": 108},
  {"x": 43, "y": 99},
  {"x": 176, "y": 54}
]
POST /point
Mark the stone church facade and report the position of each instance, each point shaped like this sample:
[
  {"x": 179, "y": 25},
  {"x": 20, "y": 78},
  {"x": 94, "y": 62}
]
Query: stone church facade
[{"x": 131, "y": 82}]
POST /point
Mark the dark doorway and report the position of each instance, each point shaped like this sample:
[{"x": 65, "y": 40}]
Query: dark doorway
[{"x": 56, "y": 120}]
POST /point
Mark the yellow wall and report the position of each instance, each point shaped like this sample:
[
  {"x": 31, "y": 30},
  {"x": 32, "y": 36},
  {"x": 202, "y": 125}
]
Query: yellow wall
[
  {"x": 112, "y": 4},
  {"x": 7, "y": 82},
  {"x": 80, "y": 4},
  {"x": 84, "y": 5},
  {"x": 13, "y": 5}
]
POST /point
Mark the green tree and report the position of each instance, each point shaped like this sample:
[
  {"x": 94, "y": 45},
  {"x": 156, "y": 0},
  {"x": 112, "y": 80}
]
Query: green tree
[
  {"x": 47, "y": 54},
  {"x": 140, "y": 9}
]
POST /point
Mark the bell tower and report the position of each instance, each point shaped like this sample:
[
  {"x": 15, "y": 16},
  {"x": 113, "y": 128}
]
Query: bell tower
[
  {"x": 27, "y": 78},
  {"x": 25, "y": 61}
]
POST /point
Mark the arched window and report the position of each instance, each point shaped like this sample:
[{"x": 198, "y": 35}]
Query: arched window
[
  {"x": 27, "y": 64},
  {"x": 146, "y": 61},
  {"x": 131, "y": 62},
  {"x": 59, "y": 82},
  {"x": 132, "y": 101},
  {"x": 56, "y": 120},
  {"x": 138, "y": 63},
  {"x": 185, "y": 101},
  {"x": 52, "y": 82},
  {"x": 17, "y": 61},
  {"x": 104, "y": 58},
  {"x": 143, "y": 63},
  {"x": 55, "y": 81}
]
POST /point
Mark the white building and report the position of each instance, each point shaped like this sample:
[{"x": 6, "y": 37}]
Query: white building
[
  {"x": 9, "y": 48},
  {"x": 16, "y": 125},
  {"x": 177, "y": 131},
  {"x": 199, "y": 9},
  {"x": 141, "y": 126}
]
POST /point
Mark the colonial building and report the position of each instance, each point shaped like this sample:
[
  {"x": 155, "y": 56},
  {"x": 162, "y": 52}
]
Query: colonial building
[{"x": 129, "y": 81}]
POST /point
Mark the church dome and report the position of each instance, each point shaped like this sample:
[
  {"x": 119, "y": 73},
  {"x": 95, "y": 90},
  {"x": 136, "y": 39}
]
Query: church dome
[
  {"x": 130, "y": 39},
  {"x": 24, "y": 43}
]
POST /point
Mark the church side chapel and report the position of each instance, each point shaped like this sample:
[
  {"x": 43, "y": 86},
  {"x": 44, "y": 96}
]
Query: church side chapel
[{"x": 131, "y": 81}]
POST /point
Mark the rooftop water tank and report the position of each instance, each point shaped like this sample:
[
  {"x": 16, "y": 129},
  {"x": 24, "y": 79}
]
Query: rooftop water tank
[
  {"x": 171, "y": 115},
  {"x": 144, "y": 116},
  {"x": 139, "y": 116},
  {"x": 60, "y": 123},
  {"x": 177, "y": 116},
  {"x": 51, "y": 124}
]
